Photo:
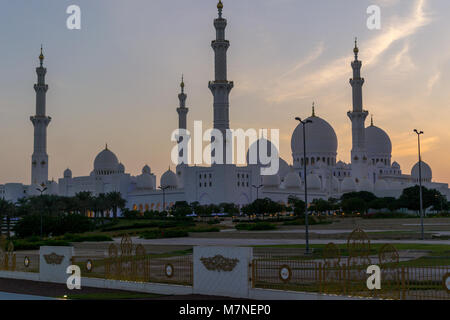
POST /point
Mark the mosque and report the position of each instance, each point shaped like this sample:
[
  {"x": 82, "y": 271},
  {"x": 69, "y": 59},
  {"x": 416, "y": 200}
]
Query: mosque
[{"x": 371, "y": 167}]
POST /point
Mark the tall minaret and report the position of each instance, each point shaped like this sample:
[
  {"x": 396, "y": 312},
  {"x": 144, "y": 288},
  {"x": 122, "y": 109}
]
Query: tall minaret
[
  {"x": 182, "y": 116},
  {"x": 39, "y": 159},
  {"x": 182, "y": 110},
  {"x": 358, "y": 117},
  {"x": 221, "y": 87}
]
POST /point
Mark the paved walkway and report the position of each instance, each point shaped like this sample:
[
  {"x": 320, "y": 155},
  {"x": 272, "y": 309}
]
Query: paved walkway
[
  {"x": 257, "y": 242},
  {"x": 15, "y": 296}
]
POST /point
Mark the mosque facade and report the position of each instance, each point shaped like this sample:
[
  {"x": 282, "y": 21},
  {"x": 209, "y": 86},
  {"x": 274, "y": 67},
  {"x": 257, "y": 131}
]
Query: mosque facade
[{"x": 370, "y": 169}]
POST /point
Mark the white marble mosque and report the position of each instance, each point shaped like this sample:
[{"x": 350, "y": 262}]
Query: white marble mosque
[{"x": 371, "y": 167}]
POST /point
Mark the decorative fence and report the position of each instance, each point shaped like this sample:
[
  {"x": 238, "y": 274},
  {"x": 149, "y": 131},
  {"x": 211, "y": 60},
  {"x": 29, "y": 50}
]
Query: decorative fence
[
  {"x": 131, "y": 263},
  {"x": 12, "y": 261},
  {"x": 334, "y": 274}
]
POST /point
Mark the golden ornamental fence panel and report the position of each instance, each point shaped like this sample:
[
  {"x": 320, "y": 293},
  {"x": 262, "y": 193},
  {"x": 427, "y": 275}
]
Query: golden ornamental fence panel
[
  {"x": 288, "y": 269},
  {"x": 131, "y": 263},
  {"x": 7, "y": 255}
]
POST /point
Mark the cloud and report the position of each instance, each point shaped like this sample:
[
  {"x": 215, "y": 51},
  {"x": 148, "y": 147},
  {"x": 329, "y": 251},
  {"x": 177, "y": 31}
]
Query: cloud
[
  {"x": 310, "y": 59},
  {"x": 398, "y": 29},
  {"x": 432, "y": 81}
]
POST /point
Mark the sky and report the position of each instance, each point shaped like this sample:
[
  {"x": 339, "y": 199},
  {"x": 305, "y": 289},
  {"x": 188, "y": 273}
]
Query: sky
[{"x": 116, "y": 80}]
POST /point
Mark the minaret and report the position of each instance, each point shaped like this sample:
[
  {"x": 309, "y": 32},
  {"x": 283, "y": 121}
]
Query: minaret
[
  {"x": 221, "y": 87},
  {"x": 182, "y": 110},
  {"x": 358, "y": 117},
  {"x": 182, "y": 117},
  {"x": 39, "y": 159}
]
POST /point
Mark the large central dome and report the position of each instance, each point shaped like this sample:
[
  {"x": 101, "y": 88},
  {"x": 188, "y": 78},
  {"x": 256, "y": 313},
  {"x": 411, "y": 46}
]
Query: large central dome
[
  {"x": 320, "y": 138},
  {"x": 106, "y": 162}
]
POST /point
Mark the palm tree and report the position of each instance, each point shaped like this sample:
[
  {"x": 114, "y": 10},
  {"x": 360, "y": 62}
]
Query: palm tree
[
  {"x": 116, "y": 202},
  {"x": 7, "y": 210},
  {"x": 84, "y": 202}
]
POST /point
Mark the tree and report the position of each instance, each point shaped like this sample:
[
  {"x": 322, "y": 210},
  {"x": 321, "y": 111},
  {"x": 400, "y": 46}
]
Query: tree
[
  {"x": 84, "y": 201},
  {"x": 410, "y": 198},
  {"x": 297, "y": 205},
  {"x": 353, "y": 205},
  {"x": 7, "y": 210},
  {"x": 181, "y": 209},
  {"x": 116, "y": 202},
  {"x": 363, "y": 195},
  {"x": 320, "y": 205}
]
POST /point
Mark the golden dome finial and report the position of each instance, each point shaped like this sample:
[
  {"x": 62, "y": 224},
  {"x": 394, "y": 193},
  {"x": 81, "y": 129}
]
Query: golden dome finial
[
  {"x": 220, "y": 5},
  {"x": 41, "y": 56},
  {"x": 182, "y": 81},
  {"x": 356, "y": 49},
  {"x": 371, "y": 120},
  {"x": 313, "y": 109}
]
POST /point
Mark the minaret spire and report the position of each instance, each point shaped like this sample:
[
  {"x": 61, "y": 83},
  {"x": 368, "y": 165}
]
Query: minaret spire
[
  {"x": 182, "y": 110},
  {"x": 39, "y": 159},
  {"x": 221, "y": 87},
  {"x": 356, "y": 49},
  {"x": 358, "y": 117}
]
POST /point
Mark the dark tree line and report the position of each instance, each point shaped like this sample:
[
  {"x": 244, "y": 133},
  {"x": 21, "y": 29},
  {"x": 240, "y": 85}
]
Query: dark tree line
[{"x": 55, "y": 206}]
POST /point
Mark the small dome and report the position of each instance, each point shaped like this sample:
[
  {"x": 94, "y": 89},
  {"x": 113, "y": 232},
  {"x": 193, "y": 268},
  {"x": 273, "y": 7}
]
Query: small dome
[
  {"x": 68, "y": 173},
  {"x": 340, "y": 165},
  {"x": 427, "y": 173},
  {"x": 292, "y": 180},
  {"x": 284, "y": 168},
  {"x": 106, "y": 162},
  {"x": 381, "y": 185},
  {"x": 378, "y": 143},
  {"x": 365, "y": 185},
  {"x": 395, "y": 165},
  {"x": 169, "y": 179},
  {"x": 313, "y": 182},
  {"x": 271, "y": 181},
  {"x": 254, "y": 151},
  {"x": 348, "y": 185},
  {"x": 146, "y": 170},
  {"x": 320, "y": 135},
  {"x": 121, "y": 168}
]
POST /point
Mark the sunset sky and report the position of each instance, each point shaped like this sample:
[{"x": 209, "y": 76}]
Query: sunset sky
[{"x": 117, "y": 79}]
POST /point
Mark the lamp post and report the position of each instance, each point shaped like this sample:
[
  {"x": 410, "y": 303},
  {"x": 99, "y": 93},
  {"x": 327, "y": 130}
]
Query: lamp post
[
  {"x": 164, "y": 195},
  {"x": 257, "y": 190},
  {"x": 304, "y": 123},
  {"x": 42, "y": 189},
  {"x": 419, "y": 133}
]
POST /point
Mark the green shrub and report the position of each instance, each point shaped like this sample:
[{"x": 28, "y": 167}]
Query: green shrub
[
  {"x": 27, "y": 244},
  {"x": 204, "y": 229},
  {"x": 152, "y": 224},
  {"x": 86, "y": 238},
  {"x": 311, "y": 221},
  {"x": 259, "y": 226},
  {"x": 388, "y": 215},
  {"x": 167, "y": 233},
  {"x": 30, "y": 225}
]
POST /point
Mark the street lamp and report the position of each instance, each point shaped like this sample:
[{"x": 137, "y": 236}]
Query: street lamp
[
  {"x": 419, "y": 133},
  {"x": 164, "y": 195},
  {"x": 42, "y": 189},
  {"x": 257, "y": 190},
  {"x": 304, "y": 123}
]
